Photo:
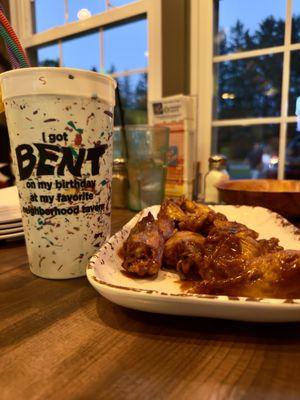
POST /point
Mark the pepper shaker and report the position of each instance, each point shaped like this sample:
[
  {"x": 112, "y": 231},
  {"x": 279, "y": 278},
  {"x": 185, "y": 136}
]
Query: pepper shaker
[{"x": 119, "y": 183}]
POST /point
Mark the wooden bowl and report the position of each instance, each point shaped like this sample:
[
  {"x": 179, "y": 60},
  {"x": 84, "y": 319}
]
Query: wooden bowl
[{"x": 281, "y": 196}]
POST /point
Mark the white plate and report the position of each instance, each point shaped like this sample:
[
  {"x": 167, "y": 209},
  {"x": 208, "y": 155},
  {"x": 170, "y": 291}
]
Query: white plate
[
  {"x": 8, "y": 218},
  {"x": 10, "y": 210},
  {"x": 16, "y": 224},
  {"x": 164, "y": 294},
  {"x": 11, "y": 230},
  {"x": 12, "y": 236},
  {"x": 9, "y": 198}
]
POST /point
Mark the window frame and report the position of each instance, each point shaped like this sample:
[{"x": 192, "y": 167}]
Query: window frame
[
  {"x": 21, "y": 19},
  {"x": 202, "y": 79}
]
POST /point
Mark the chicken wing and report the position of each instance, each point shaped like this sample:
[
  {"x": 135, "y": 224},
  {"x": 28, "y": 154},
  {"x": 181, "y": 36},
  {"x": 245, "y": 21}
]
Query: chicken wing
[
  {"x": 225, "y": 227},
  {"x": 196, "y": 215},
  {"x": 143, "y": 249},
  {"x": 184, "y": 251},
  {"x": 186, "y": 214},
  {"x": 217, "y": 255},
  {"x": 226, "y": 254},
  {"x": 166, "y": 222},
  {"x": 275, "y": 275}
]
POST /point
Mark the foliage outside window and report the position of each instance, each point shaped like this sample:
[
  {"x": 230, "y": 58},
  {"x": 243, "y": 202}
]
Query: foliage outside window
[{"x": 251, "y": 70}]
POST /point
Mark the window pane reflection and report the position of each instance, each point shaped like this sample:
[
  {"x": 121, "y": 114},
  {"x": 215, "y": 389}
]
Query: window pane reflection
[
  {"x": 116, "y": 3},
  {"x": 249, "y": 87},
  {"x": 296, "y": 22},
  {"x": 48, "y": 56},
  {"x": 294, "y": 97},
  {"x": 292, "y": 157},
  {"x": 82, "y": 52},
  {"x": 125, "y": 46},
  {"x": 246, "y": 25},
  {"x": 252, "y": 151},
  {"x": 82, "y": 9},
  {"x": 133, "y": 93},
  {"x": 48, "y": 14}
]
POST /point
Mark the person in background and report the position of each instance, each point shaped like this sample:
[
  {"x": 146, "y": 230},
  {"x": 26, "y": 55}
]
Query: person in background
[
  {"x": 266, "y": 161},
  {"x": 297, "y": 112},
  {"x": 6, "y": 176},
  {"x": 255, "y": 160}
]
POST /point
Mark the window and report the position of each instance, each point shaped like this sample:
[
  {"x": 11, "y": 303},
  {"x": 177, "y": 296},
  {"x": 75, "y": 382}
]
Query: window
[
  {"x": 247, "y": 57},
  {"x": 248, "y": 25},
  {"x": 68, "y": 11},
  {"x": 118, "y": 37},
  {"x": 81, "y": 52}
]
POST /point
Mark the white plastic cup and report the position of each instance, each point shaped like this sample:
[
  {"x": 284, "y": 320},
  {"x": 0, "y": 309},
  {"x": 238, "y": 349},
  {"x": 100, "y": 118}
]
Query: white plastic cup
[{"x": 60, "y": 124}]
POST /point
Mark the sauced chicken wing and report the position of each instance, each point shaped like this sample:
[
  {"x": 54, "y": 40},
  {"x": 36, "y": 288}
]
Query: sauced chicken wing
[
  {"x": 219, "y": 256},
  {"x": 228, "y": 248},
  {"x": 271, "y": 275},
  {"x": 171, "y": 210},
  {"x": 269, "y": 245},
  {"x": 184, "y": 251},
  {"x": 186, "y": 214},
  {"x": 196, "y": 215},
  {"x": 166, "y": 223},
  {"x": 143, "y": 249},
  {"x": 225, "y": 227},
  {"x": 225, "y": 254}
]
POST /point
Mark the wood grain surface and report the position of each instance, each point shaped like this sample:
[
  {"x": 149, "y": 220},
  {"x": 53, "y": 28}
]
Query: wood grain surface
[{"x": 62, "y": 340}]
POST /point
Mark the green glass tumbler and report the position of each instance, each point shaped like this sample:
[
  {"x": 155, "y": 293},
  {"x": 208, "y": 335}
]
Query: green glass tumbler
[{"x": 147, "y": 164}]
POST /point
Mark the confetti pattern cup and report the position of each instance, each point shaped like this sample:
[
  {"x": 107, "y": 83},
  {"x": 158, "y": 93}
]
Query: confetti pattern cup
[{"x": 60, "y": 125}]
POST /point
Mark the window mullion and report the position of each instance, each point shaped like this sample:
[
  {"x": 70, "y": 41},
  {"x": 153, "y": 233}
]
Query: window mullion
[
  {"x": 154, "y": 16},
  {"x": 129, "y": 72},
  {"x": 253, "y": 121},
  {"x": 204, "y": 67},
  {"x": 294, "y": 46},
  {"x": 66, "y": 11},
  {"x": 60, "y": 52},
  {"x": 249, "y": 54},
  {"x": 256, "y": 53},
  {"x": 115, "y": 15},
  {"x": 101, "y": 43},
  {"x": 285, "y": 88},
  {"x": 247, "y": 121}
]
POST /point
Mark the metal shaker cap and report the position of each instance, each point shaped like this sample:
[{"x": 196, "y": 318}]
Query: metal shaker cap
[
  {"x": 120, "y": 166},
  {"x": 217, "y": 161},
  {"x": 119, "y": 161}
]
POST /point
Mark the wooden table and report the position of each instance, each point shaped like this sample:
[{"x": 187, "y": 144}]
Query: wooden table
[{"x": 62, "y": 340}]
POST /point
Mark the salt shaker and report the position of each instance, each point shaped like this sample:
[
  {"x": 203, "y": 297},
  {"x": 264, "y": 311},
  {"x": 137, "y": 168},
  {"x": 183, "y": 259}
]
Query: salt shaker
[{"x": 217, "y": 173}]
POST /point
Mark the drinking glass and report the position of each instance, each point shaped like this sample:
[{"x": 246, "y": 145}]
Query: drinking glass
[{"x": 147, "y": 164}]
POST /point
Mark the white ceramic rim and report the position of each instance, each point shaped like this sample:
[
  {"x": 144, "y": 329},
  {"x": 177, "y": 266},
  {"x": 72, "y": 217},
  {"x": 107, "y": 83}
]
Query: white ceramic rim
[{"x": 233, "y": 301}]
